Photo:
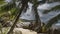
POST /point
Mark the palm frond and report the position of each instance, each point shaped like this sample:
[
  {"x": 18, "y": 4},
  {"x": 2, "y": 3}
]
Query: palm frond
[
  {"x": 2, "y": 2},
  {"x": 7, "y": 7},
  {"x": 52, "y": 21},
  {"x": 54, "y": 8}
]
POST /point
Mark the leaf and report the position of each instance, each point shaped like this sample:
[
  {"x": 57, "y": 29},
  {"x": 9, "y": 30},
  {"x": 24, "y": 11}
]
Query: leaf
[{"x": 54, "y": 8}]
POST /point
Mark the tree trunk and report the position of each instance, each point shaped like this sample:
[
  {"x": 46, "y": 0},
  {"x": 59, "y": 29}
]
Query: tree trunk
[
  {"x": 24, "y": 3},
  {"x": 37, "y": 26}
]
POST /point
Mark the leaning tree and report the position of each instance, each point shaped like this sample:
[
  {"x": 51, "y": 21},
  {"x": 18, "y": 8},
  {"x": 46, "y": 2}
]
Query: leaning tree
[{"x": 15, "y": 11}]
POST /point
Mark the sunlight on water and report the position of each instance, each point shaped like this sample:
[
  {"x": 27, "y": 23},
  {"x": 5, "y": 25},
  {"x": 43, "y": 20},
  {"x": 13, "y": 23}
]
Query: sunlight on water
[{"x": 41, "y": 9}]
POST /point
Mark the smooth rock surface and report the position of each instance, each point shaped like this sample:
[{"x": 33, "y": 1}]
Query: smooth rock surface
[{"x": 23, "y": 31}]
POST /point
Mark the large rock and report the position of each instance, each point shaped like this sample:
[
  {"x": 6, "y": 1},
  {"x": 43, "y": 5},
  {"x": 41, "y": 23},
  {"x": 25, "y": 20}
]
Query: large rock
[
  {"x": 23, "y": 31},
  {"x": 18, "y": 31}
]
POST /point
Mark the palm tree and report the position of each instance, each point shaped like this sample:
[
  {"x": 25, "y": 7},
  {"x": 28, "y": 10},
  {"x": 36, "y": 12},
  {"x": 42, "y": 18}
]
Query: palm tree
[
  {"x": 24, "y": 3},
  {"x": 8, "y": 7}
]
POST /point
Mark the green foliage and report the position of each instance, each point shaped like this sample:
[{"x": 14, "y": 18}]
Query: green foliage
[
  {"x": 7, "y": 7},
  {"x": 5, "y": 30},
  {"x": 2, "y": 2},
  {"x": 52, "y": 21},
  {"x": 9, "y": 12},
  {"x": 0, "y": 28}
]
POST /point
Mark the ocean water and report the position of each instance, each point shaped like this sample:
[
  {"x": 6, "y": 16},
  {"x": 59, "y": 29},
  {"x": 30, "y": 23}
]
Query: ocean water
[
  {"x": 46, "y": 17},
  {"x": 41, "y": 8}
]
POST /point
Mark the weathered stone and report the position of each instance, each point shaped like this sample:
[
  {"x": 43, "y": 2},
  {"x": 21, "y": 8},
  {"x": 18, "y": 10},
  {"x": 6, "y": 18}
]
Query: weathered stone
[{"x": 23, "y": 31}]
